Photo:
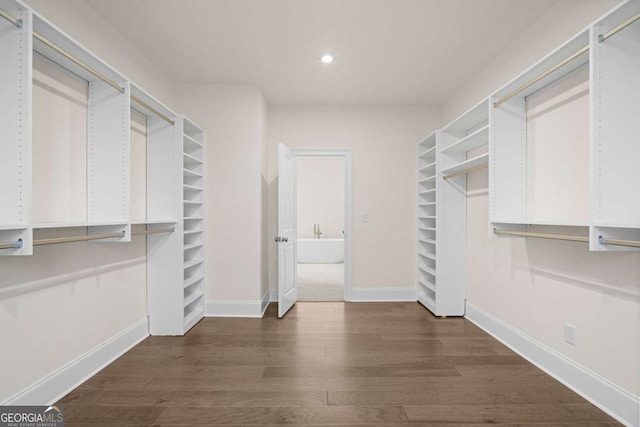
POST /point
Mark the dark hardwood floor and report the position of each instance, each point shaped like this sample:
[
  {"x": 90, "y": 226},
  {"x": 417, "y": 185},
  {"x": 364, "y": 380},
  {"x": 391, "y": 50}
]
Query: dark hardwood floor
[{"x": 357, "y": 364}]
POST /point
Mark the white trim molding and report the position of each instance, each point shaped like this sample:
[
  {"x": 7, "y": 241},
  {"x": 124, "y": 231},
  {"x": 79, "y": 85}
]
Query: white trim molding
[
  {"x": 237, "y": 308},
  {"x": 59, "y": 383},
  {"x": 620, "y": 404},
  {"x": 383, "y": 294}
]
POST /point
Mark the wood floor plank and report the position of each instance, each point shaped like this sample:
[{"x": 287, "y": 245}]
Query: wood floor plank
[
  {"x": 497, "y": 414},
  {"x": 351, "y": 371},
  {"x": 114, "y": 415},
  {"x": 327, "y": 364},
  {"x": 284, "y": 415},
  {"x": 192, "y": 398}
]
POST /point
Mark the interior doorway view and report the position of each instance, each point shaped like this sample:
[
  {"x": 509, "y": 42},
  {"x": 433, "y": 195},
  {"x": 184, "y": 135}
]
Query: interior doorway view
[{"x": 321, "y": 225}]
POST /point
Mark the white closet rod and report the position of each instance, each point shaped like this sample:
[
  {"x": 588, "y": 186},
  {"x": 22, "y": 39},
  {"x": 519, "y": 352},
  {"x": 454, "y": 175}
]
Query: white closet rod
[
  {"x": 11, "y": 245},
  {"x": 543, "y": 235},
  {"x": 14, "y": 21},
  {"x": 540, "y": 77},
  {"x": 618, "y": 242},
  {"x": 153, "y": 110},
  {"x": 618, "y": 28},
  {"x": 18, "y": 243},
  {"x": 153, "y": 231},
  {"x": 57, "y": 240},
  {"x": 78, "y": 62},
  {"x": 465, "y": 171}
]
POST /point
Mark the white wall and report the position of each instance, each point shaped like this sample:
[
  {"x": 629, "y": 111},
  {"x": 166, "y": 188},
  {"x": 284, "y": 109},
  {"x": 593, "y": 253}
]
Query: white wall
[
  {"x": 232, "y": 116},
  {"x": 560, "y": 23},
  {"x": 66, "y": 300},
  {"x": 538, "y": 285},
  {"x": 90, "y": 29},
  {"x": 383, "y": 142},
  {"x": 321, "y": 196}
]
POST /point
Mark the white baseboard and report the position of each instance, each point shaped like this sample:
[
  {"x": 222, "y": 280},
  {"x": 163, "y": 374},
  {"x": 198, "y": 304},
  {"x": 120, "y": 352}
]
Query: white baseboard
[
  {"x": 383, "y": 294},
  {"x": 266, "y": 300},
  {"x": 59, "y": 383},
  {"x": 237, "y": 308},
  {"x": 613, "y": 400},
  {"x": 273, "y": 295}
]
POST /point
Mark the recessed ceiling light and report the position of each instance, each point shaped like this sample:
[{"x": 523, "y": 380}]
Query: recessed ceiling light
[{"x": 327, "y": 59}]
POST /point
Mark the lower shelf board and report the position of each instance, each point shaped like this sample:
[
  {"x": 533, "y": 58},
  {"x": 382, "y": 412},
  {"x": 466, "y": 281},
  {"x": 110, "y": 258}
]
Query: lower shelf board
[
  {"x": 192, "y": 280},
  {"x": 194, "y": 296},
  {"x": 193, "y": 317}
]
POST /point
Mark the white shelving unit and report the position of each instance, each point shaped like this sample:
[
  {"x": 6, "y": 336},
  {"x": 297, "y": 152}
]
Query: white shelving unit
[
  {"x": 615, "y": 198},
  {"x": 462, "y": 150},
  {"x": 15, "y": 122},
  {"x": 172, "y": 214},
  {"x": 427, "y": 282},
  {"x": 193, "y": 138},
  {"x": 108, "y": 137},
  {"x": 611, "y": 148}
]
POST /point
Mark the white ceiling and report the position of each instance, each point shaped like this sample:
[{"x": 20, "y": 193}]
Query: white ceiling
[{"x": 386, "y": 51}]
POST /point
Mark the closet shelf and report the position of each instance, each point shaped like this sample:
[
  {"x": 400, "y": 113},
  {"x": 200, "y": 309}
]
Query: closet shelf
[
  {"x": 428, "y": 152},
  {"x": 427, "y": 255},
  {"x": 192, "y": 246},
  {"x": 43, "y": 225},
  {"x": 189, "y": 202},
  {"x": 193, "y": 263},
  {"x": 191, "y": 188},
  {"x": 427, "y": 228},
  {"x": 193, "y": 218},
  {"x": 431, "y": 271},
  {"x": 474, "y": 140},
  {"x": 427, "y": 179},
  {"x": 192, "y": 281},
  {"x": 427, "y": 167},
  {"x": 189, "y": 159},
  {"x": 543, "y": 223},
  {"x": 191, "y": 173},
  {"x": 13, "y": 227},
  {"x": 482, "y": 159},
  {"x": 189, "y": 232},
  {"x": 192, "y": 297},
  {"x": 191, "y": 140},
  {"x": 153, "y": 221},
  {"x": 193, "y": 317},
  {"x": 427, "y": 285},
  {"x": 432, "y": 190}
]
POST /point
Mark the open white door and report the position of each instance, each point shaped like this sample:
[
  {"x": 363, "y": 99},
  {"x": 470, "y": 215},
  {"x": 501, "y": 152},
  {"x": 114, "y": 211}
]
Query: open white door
[{"x": 287, "y": 230}]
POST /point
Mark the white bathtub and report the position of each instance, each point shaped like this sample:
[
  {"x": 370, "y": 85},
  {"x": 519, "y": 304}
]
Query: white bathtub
[{"x": 320, "y": 251}]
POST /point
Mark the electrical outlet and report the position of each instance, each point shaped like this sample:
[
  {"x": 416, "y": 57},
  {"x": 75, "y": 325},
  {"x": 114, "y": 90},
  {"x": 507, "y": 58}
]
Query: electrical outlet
[
  {"x": 364, "y": 218},
  {"x": 570, "y": 333}
]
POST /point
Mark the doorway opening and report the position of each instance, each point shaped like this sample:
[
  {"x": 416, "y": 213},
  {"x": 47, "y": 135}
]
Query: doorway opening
[{"x": 323, "y": 202}]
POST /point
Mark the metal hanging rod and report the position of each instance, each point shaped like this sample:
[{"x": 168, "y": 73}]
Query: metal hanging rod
[
  {"x": 619, "y": 242},
  {"x": 17, "y": 22},
  {"x": 465, "y": 171},
  {"x": 540, "y": 77},
  {"x": 618, "y": 28},
  {"x": 543, "y": 235},
  {"x": 153, "y": 231},
  {"x": 153, "y": 110},
  {"x": 11, "y": 245},
  {"x": 57, "y": 240},
  {"x": 78, "y": 62}
]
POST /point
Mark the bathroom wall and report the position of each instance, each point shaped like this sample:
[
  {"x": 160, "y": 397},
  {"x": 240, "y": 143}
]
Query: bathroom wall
[{"x": 321, "y": 196}]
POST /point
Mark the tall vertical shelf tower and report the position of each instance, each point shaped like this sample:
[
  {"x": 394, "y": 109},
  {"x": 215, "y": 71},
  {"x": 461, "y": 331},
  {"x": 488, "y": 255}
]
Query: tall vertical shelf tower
[
  {"x": 193, "y": 217},
  {"x": 428, "y": 285}
]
